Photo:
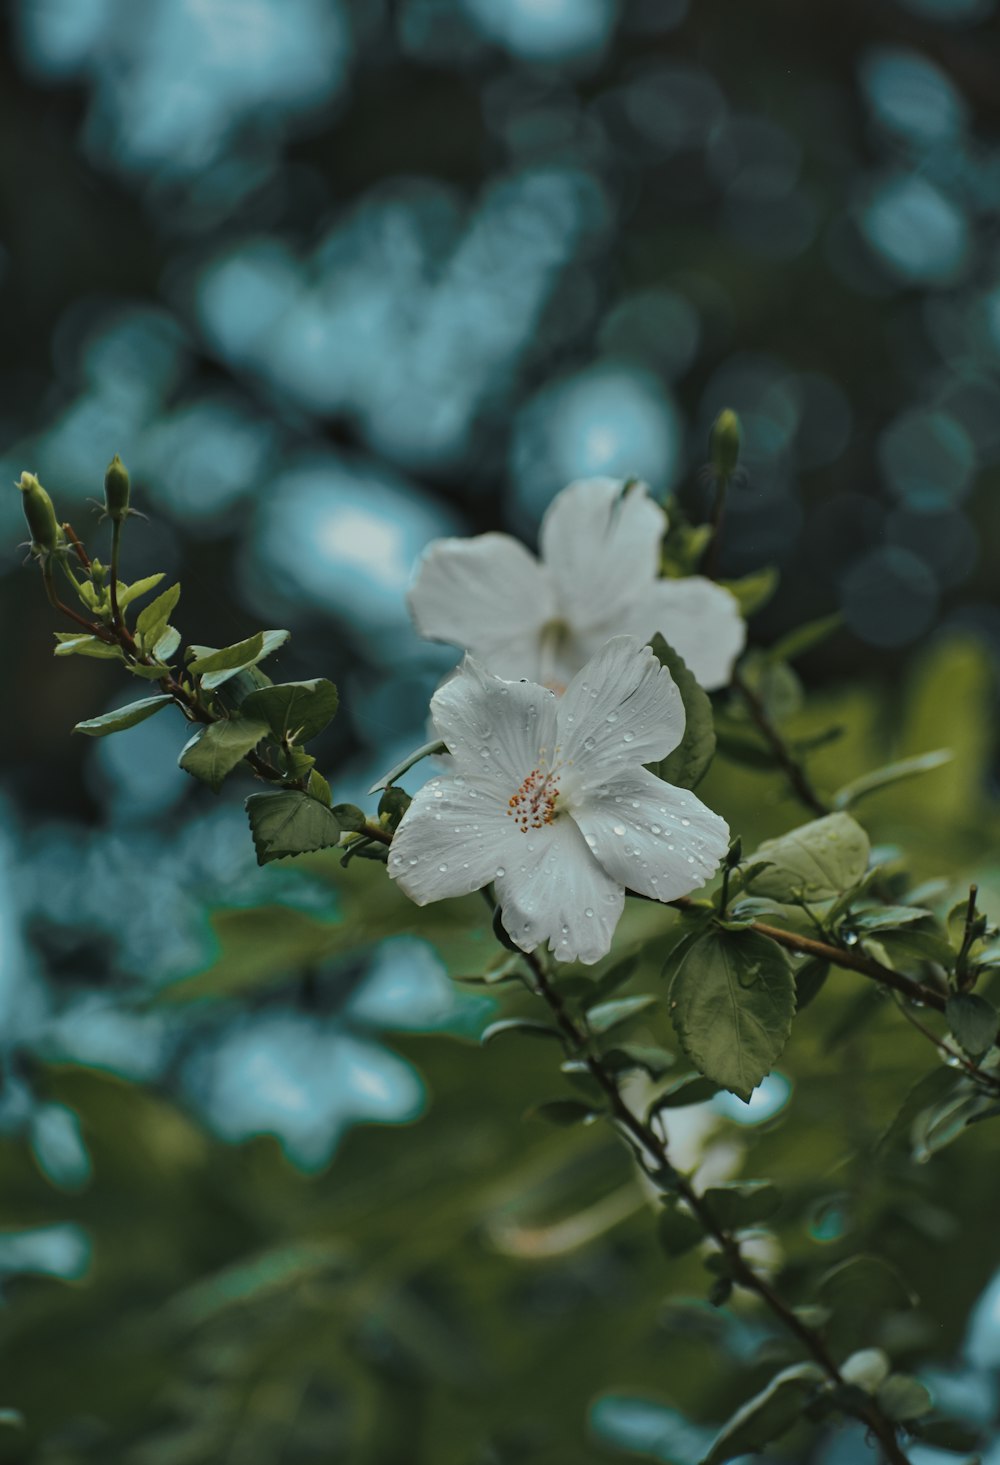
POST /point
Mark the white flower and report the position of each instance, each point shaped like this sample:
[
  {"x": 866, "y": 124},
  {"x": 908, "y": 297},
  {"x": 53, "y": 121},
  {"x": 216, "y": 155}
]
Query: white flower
[
  {"x": 597, "y": 577},
  {"x": 549, "y": 800}
]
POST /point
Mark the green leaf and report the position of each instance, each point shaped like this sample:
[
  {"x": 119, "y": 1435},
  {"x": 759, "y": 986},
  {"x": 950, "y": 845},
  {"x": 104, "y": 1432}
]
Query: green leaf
[
  {"x": 526, "y": 1026},
  {"x": 153, "y": 620},
  {"x": 167, "y": 644},
  {"x": 934, "y": 1087},
  {"x": 743, "y": 1203},
  {"x": 901, "y": 1397},
  {"x": 689, "y": 761},
  {"x": 73, "y": 644},
  {"x": 320, "y": 789},
  {"x": 216, "y": 667},
  {"x": 614, "y": 978},
  {"x": 732, "y": 1000},
  {"x": 767, "y": 1416},
  {"x": 154, "y": 673},
  {"x": 804, "y": 638},
  {"x": 646, "y": 1057},
  {"x": 293, "y": 710},
  {"x": 289, "y": 823},
  {"x": 128, "y": 593},
  {"x": 867, "y": 1282},
  {"x": 974, "y": 1021},
  {"x": 122, "y": 717},
  {"x": 564, "y": 1112},
  {"x": 678, "y": 1231},
  {"x": 810, "y": 979},
  {"x": 428, "y": 750},
  {"x": 216, "y": 749},
  {"x": 692, "y": 1089},
  {"x": 886, "y": 917},
  {"x": 753, "y": 591},
  {"x": 866, "y": 1369},
  {"x": 948, "y": 1434},
  {"x": 814, "y": 862},
  {"x": 608, "y": 1015},
  {"x": 870, "y": 783}
]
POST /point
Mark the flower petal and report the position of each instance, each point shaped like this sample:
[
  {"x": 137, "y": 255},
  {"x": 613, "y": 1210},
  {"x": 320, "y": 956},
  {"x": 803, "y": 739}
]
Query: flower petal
[
  {"x": 655, "y": 839},
  {"x": 700, "y": 619},
  {"x": 554, "y": 890},
  {"x": 621, "y": 709},
  {"x": 450, "y": 840},
  {"x": 488, "y": 595},
  {"x": 603, "y": 549},
  {"x": 495, "y": 729}
]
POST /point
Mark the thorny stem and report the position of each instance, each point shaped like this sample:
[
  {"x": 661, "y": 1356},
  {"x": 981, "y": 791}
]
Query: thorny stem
[
  {"x": 793, "y": 769},
  {"x": 650, "y": 1143}
]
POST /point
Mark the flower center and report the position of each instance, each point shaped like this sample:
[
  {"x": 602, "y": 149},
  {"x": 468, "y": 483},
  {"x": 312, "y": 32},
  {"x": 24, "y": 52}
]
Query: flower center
[{"x": 535, "y": 802}]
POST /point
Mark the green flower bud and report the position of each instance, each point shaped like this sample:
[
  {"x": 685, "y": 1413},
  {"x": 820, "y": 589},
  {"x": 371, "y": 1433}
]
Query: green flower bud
[
  {"x": 116, "y": 490},
  {"x": 724, "y": 443},
  {"x": 393, "y": 805},
  {"x": 46, "y": 534}
]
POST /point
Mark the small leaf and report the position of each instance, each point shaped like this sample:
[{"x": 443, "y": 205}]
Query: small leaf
[
  {"x": 128, "y": 593},
  {"x": 647, "y": 1057},
  {"x": 147, "y": 673},
  {"x": 526, "y": 1026},
  {"x": 563, "y": 1112},
  {"x": 608, "y": 1015},
  {"x": 678, "y": 1231},
  {"x": 289, "y": 823},
  {"x": 216, "y": 667},
  {"x": 974, "y": 1021},
  {"x": 293, "y": 710},
  {"x": 767, "y": 1416},
  {"x": 167, "y": 644},
  {"x": 753, "y": 591},
  {"x": 428, "y": 750},
  {"x": 743, "y": 1203},
  {"x": 615, "y": 977},
  {"x": 122, "y": 717},
  {"x": 72, "y": 644},
  {"x": 934, "y": 1087},
  {"x": 732, "y": 999},
  {"x": 865, "y": 1281},
  {"x": 320, "y": 789},
  {"x": 814, "y": 862},
  {"x": 870, "y": 783},
  {"x": 216, "y": 749},
  {"x": 810, "y": 979},
  {"x": 866, "y": 1369},
  {"x": 153, "y": 620},
  {"x": 687, "y": 764},
  {"x": 804, "y": 638},
  {"x": 901, "y": 1397},
  {"x": 693, "y": 1089}
]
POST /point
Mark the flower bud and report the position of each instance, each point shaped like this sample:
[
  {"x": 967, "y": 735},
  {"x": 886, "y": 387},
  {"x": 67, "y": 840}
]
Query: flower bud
[
  {"x": 116, "y": 490},
  {"x": 46, "y": 535},
  {"x": 724, "y": 443}
]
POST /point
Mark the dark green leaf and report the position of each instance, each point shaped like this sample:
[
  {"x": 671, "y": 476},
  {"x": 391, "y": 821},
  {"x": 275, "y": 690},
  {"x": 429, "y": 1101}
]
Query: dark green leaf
[
  {"x": 947, "y": 1434},
  {"x": 525, "y": 1026},
  {"x": 901, "y": 1397},
  {"x": 608, "y": 1015},
  {"x": 810, "y": 979},
  {"x": 216, "y": 749},
  {"x": 886, "y": 917},
  {"x": 216, "y": 667},
  {"x": 350, "y": 817},
  {"x": 767, "y": 1416},
  {"x": 293, "y": 710},
  {"x": 693, "y": 1089},
  {"x": 614, "y": 978},
  {"x": 564, "y": 1112},
  {"x": 814, "y": 862},
  {"x": 320, "y": 789},
  {"x": 743, "y": 1203},
  {"x": 870, "y": 783},
  {"x": 678, "y": 1231},
  {"x": 646, "y": 1057},
  {"x": 804, "y": 638},
  {"x": 974, "y": 1021},
  {"x": 732, "y": 999},
  {"x": 865, "y": 1281},
  {"x": 939, "y": 1084},
  {"x": 689, "y": 761},
  {"x": 289, "y": 823},
  {"x": 122, "y": 717},
  {"x": 153, "y": 620},
  {"x": 753, "y": 591}
]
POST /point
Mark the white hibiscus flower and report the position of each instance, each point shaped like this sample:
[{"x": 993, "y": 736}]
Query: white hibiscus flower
[
  {"x": 550, "y": 801},
  {"x": 597, "y": 577}
]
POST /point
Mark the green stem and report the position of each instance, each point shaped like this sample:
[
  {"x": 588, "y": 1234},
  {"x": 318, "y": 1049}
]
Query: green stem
[
  {"x": 116, "y": 552},
  {"x": 794, "y": 770}
]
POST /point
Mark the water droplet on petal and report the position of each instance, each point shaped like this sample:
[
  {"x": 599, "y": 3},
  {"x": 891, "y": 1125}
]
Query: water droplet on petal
[
  {"x": 612, "y": 717},
  {"x": 589, "y": 744},
  {"x": 628, "y": 737},
  {"x": 618, "y": 829},
  {"x": 656, "y": 829},
  {"x": 686, "y": 823},
  {"x": 590, "y": 840},
  {"x": 500, "y": 872},
  {"x": 442, "y": 868},
  {"x": 588, "y": 911}
]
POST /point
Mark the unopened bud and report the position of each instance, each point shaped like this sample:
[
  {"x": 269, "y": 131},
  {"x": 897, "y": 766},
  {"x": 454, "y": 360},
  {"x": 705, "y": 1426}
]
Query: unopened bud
[
  {"x": 116, "y": 490},
  {"x": 46, "y": 535},
  {"x": 393, "y": 805},
  {"x": 724, "y": 443}
]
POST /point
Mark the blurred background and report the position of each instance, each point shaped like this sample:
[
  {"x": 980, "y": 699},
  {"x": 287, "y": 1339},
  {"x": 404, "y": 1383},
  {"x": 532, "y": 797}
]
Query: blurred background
[{"x": 336, "y": 277}]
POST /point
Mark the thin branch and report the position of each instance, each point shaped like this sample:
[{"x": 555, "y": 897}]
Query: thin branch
[{"x": 793, "y": 769}]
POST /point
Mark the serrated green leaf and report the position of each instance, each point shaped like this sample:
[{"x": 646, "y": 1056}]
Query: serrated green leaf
[
  {"x": 754, "y": 591},
  {"x": 767, "y": 1416},
  {"x": 880, "y": 778},
  {"x": 608, "y": 1015},
  {"x": 216, "y": 667},
  {"x": 743, "y": 1203},
  {"x": 152, "y": 673},
  {"x": 320, "y": 789},
  {"x": 215, "y": 750},
  {"x": 526, "y": 1027},
  {"x": 732, "y": 999},
  {"x": 153, "y": 620},
  {"x": 814, "y": 862},
  {"x": 689, "y": 761},
  {"x": 293, "y": 710},
  {"x": 128, "y": 593},
  {"x": 167, "y": 644},
  {"x": 122, "y": 717},
  {"x": 901, "y": 1397},
  {"x": 71, "y": 644},
  {"x": 974, "y": 1021},
  {"x": 289, "y": 822}
]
